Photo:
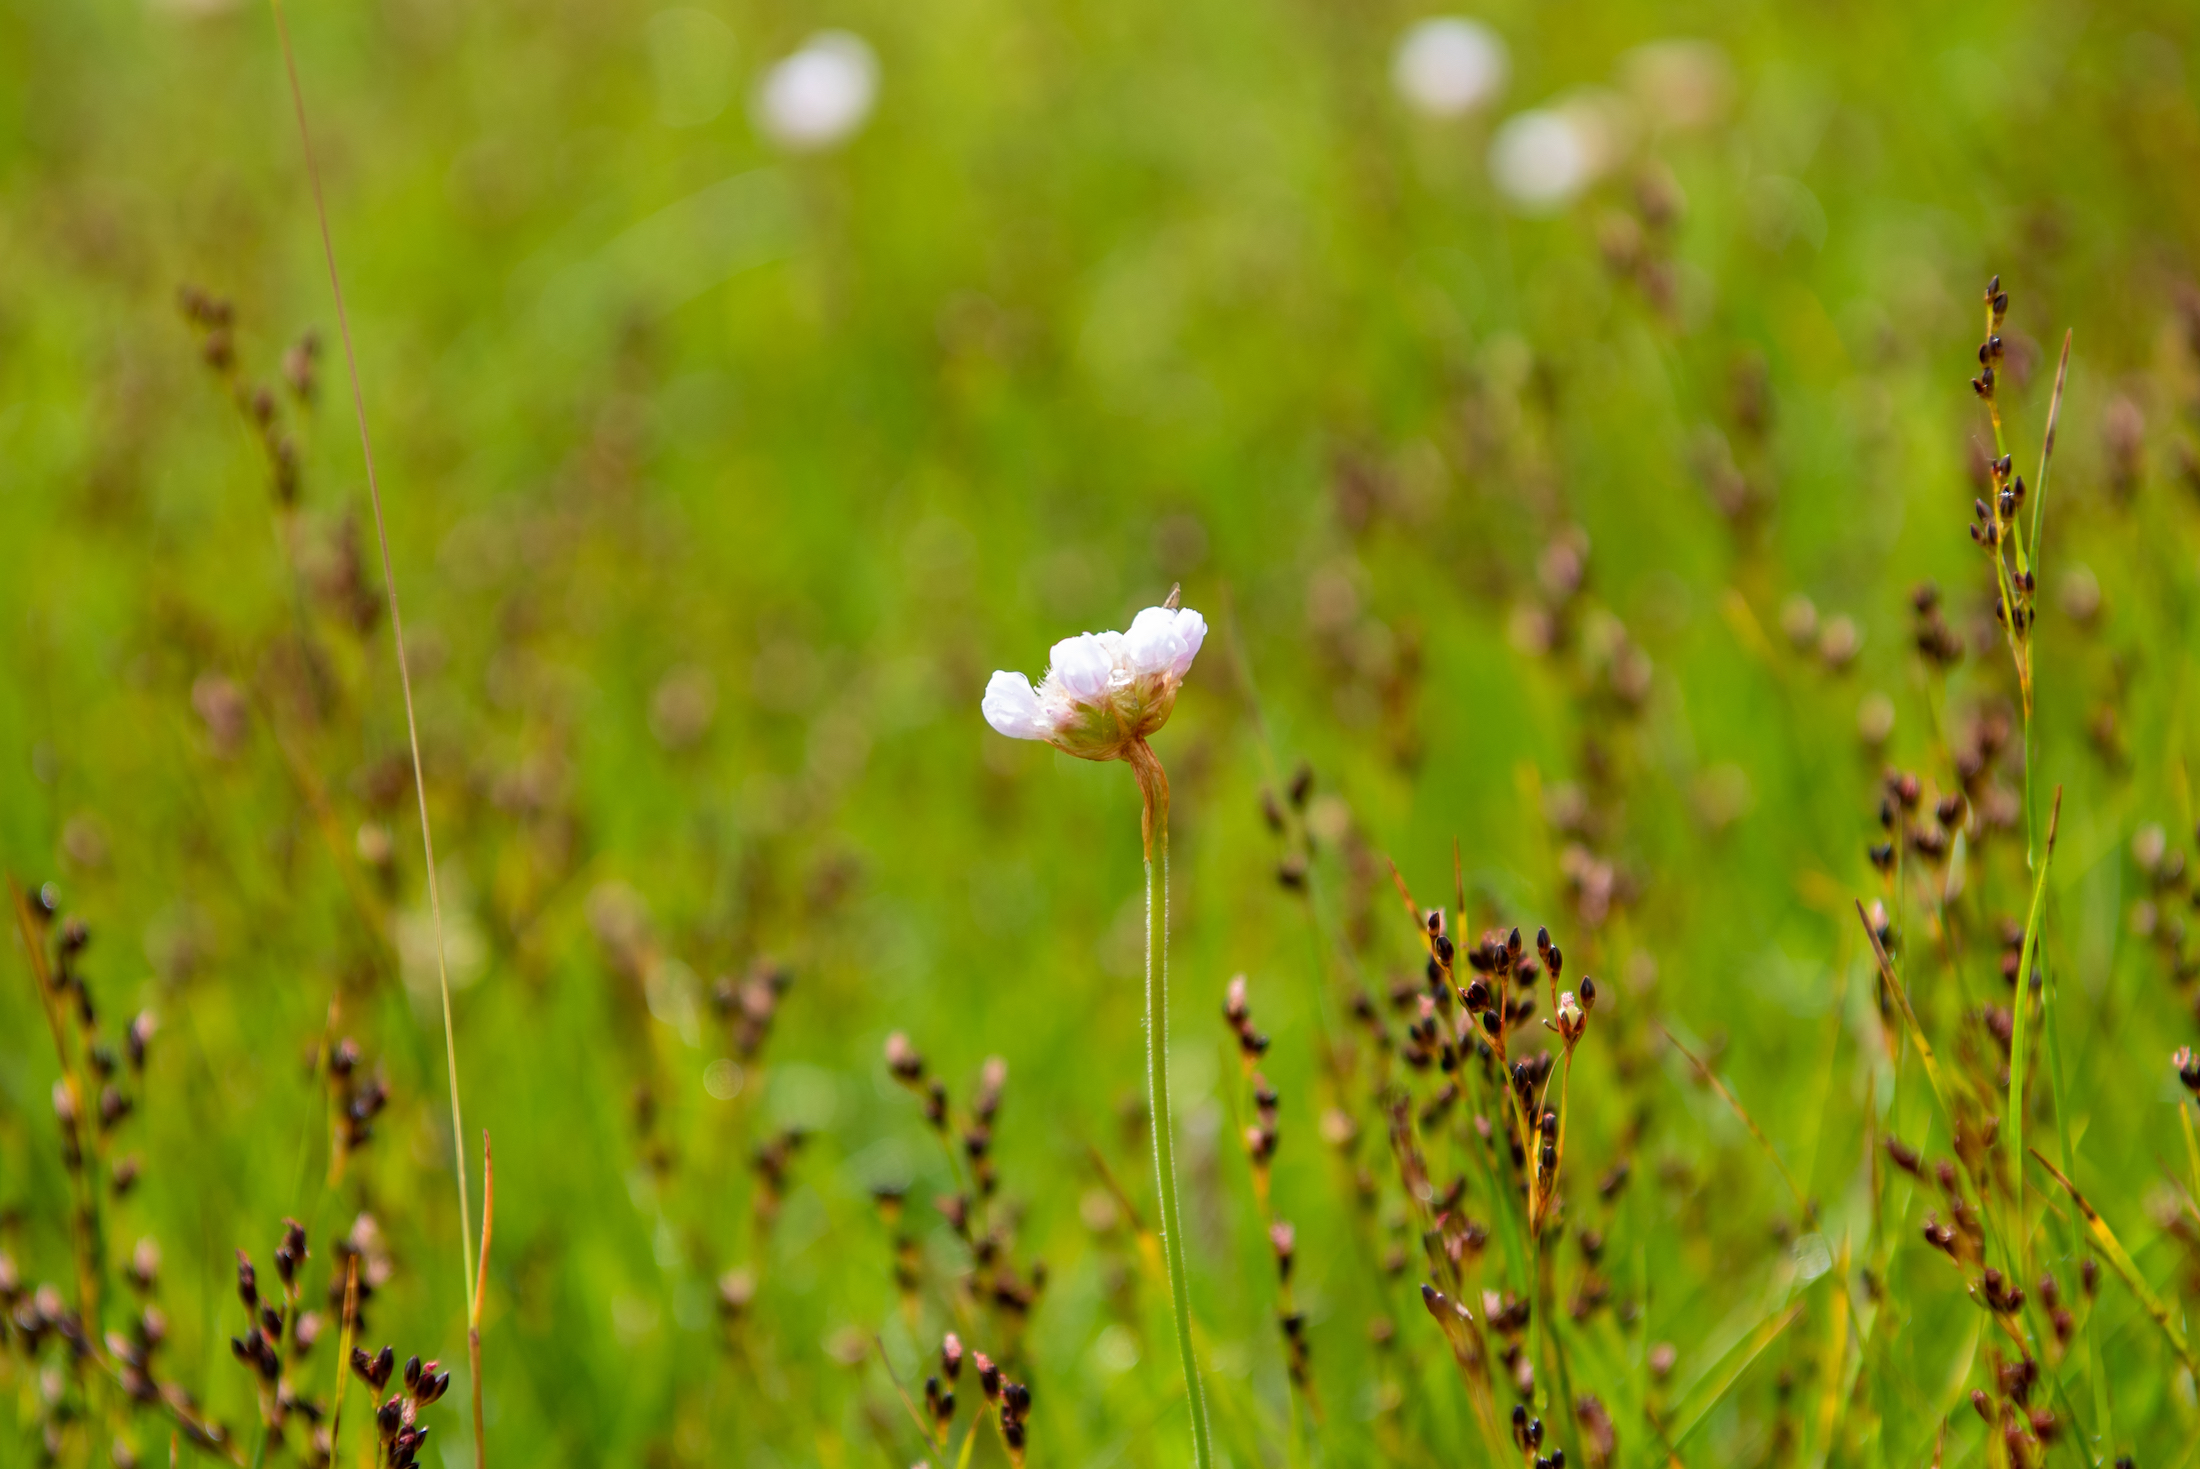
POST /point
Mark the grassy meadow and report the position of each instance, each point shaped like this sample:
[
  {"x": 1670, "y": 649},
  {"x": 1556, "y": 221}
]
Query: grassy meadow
[{"x": 1596, "y": 563}]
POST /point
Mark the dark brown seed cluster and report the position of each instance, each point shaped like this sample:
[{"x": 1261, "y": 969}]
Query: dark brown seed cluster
[
  {"x": 1936, "y": 642},
  {"x": 215, "y": 320},
  {"x": 2024, "y": 1428},
  {"x": 773, "y": 1164},
  {"x": 1990, "y": 351},
  {"x": 1527, "y": 1436},
  {"x": 1962, "y": 1238},
  {"x": 1924, "y": 821},
  {"x": 2157, "y": 916},
  {"x": 749, "y": 1005},
  {"x": 972, "y": 1211},
  {"x": 96, "y": 1095},
  {"x": 939, "y": 1396},
  {"x": 280, "y": 1333},
  {"x": 359, "y": 1098},
  {"x": 1286, "y": 819},
  {"x": 399, "y": 1432},
  {"x": 1010, "y": 1400},
  {"x": 1637, "y": 242},
  {"x": 1261, "y": 1136},
  {"x": 1251, "y": 1043},
  {"x": 1996, "y": 527}
]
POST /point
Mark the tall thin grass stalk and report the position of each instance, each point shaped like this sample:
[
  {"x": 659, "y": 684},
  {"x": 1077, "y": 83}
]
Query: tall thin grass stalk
[
  {"x": 1803, "y": 1208},
  {"x": 1153, "y": 786},
  {"x": 469, "y": 1266}
]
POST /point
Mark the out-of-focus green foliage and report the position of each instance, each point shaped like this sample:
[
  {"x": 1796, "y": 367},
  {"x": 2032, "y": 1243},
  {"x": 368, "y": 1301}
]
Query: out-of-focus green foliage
[{"x": 720, "y": 476}]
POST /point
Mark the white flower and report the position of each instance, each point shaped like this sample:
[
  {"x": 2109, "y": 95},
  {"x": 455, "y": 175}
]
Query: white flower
[
  {"x": 820, "y": 95},
  {"x": 1542, "y": 158},
  {"x": 1448, "y": 66},
  {"x": 1539, "y": 160},
  {"x": 1570, "y": 1021},
  {"x": 1103, "y": 692}
]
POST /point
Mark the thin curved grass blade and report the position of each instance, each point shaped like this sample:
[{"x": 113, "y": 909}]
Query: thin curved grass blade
[
  {"x": 2120, "y": 1261},
  {"x": 1720, "y": 1380},
  {"x": 1909, "y": 1016},
  {"x": 1802, "y": 1202}
]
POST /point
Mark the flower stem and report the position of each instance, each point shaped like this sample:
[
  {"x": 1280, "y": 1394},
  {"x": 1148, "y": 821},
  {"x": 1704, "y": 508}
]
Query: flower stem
[{"x": 1153, "y": 786}]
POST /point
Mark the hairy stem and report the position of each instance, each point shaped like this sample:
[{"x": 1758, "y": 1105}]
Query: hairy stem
[{"x": 1153, "y": 786}]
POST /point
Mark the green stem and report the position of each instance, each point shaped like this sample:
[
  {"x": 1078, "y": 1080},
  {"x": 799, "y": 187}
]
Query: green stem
[
  {"x": 2018, "y": 1057},
  {"x": 1153, "y": 785}
]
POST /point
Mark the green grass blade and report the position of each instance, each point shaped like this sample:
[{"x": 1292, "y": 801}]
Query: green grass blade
[
  {"x": 1909, "y": 1016},
  {"x": 2017, "y": 1050},
  {"x": 2121, "y": 1262},
  {"x": 1720, "y": 1380}
]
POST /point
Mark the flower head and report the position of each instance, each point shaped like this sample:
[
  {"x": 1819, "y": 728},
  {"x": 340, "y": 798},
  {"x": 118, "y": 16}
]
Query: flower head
[
  {"x": 1103, "y": 692},
  {"x": 1571, "y": 1019},
  {"x": 821, "y": 94},
  {"x": 1447, "y": 66}
]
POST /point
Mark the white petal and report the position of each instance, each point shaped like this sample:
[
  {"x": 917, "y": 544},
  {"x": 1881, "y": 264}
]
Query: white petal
[
  {"x": 1119, "y": 663},
  {"x": 1153, "y": 644},
  {"x": 1081, "y": 666},
  {"x": 1012, "y": 707},
  {"x": 1191, "y": 628}
]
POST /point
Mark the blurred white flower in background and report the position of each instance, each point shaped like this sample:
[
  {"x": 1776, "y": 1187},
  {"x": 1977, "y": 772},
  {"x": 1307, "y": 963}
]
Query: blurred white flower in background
[
  {"x": 821, "y": 95},
  {"x": 1448, "y": 66},
  {"x": 1543, "y": 158},
  {"x": 1539, "y": 160},
  {"x": 1680, "y": 85}
]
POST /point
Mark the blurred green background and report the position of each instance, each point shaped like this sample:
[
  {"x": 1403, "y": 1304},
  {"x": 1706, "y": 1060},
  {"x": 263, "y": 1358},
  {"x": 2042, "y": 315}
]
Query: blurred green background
[{"x": 722, "y": 463}]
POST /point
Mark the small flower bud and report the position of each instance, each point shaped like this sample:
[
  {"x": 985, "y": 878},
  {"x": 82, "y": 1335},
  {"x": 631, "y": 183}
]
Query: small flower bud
[
  {"x": 139, "y": 1035},
  {"x": 902, "y": 1059}
]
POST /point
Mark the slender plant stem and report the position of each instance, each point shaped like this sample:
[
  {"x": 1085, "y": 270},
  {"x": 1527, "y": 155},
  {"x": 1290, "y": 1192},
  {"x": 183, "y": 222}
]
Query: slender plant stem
[
  {"x": 1153, "y": 785},
  {"x": 469, "y": 1263},
  {"x": 349, "y": 1330},
  {"x": 970, "y": 1437}
]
